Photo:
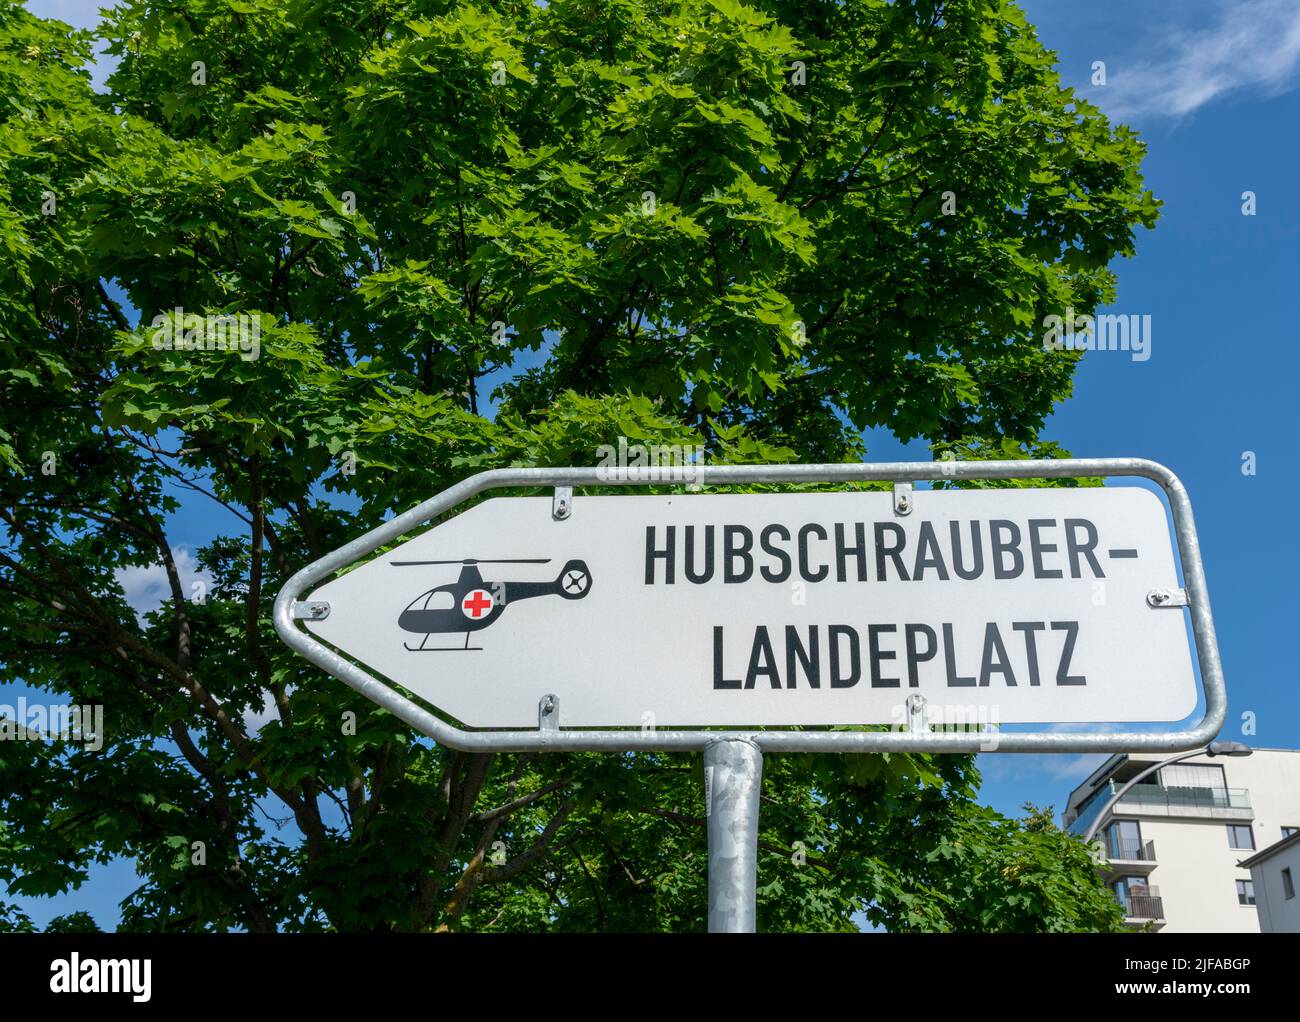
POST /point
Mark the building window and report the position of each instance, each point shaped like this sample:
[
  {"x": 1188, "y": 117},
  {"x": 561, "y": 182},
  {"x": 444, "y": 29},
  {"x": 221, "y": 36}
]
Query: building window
[
  {"x": 1288, "y": 831},
  {"x": 1240, "y": 836},
  {"x": 1288, "y": 887},
  {"x": 1134, "y": 894},
  {"x": 1195, "y": 781},
  {"x": 1124, "y": 840},
  {"x": 1245, "y": 892}
]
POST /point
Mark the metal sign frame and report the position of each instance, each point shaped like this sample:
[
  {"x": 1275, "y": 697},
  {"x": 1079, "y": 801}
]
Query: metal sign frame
[{"x": 550, "y": 736}]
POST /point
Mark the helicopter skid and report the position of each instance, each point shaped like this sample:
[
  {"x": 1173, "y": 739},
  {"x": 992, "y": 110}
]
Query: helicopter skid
[{"x": 422, "y": 648}]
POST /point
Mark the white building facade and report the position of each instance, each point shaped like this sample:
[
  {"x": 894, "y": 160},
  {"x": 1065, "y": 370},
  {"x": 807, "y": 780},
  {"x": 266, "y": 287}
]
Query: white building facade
[
  {"x": 1276, "y": 874},
  {"x": 1174, "y": 845}
]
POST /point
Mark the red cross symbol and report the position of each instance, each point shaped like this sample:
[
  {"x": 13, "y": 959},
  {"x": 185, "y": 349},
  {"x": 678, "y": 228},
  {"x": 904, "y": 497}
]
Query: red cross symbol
[{"x": 475, "y": 604}]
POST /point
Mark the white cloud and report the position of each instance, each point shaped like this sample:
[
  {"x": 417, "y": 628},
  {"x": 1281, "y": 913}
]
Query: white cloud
[
  {"x": 1072, "y": 768},
  {"x": 1251, "y": 46},
  {"x": 1069, "y": 769},
  {"x": 147, "y": 588},
  {"x": 254, "y": 719}
]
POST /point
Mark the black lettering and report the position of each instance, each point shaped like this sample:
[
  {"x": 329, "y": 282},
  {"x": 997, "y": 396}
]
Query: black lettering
[
  {"x": 731, "y": 550},
  {"x": 915, "y": 656},
  {"x": 1075, "y": 548},
  {"x": 805, "y": 573},
  {"x": 691, "y": 574},
  {"x": 859, "y": 551},
  {"x": 810, "y": 657},
  {"x": 718, "y": 680},
  {"x": 977, "y": 551},
  {"x": 883, "y": 550},
  {"x": 764, "y": 541},
  {"x": 876, "y": 654},
  {"x": 1037, "y": 548},
  {"x": 761, "y": 660},
  {"x": 928, "y": 554},
  {"x": 950, "y": 658},
  {"x": 1031, "y": 645},
  {"x": 652, "y": 554},
  {"x": 1011, "y": 546},
  {"x": 992, "y": 645},
  {"x": 1063, "y": 675},
  {"x": 839, "y": 680}
]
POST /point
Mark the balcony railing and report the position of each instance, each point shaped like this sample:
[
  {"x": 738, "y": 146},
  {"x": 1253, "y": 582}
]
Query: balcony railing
[
  {"x": 1210, "y": 798},
  {"x": 1172, "y": 799},
  {"x": 1132, "y": 851},
  {"x": 1142, "y": 906}
]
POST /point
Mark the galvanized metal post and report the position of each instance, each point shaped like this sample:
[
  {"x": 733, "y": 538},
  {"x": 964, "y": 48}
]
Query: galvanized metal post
[{"x": 733, "y": 774}]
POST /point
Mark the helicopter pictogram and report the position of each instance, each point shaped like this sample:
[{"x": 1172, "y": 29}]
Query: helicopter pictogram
[{"x": 470, "y": 604}]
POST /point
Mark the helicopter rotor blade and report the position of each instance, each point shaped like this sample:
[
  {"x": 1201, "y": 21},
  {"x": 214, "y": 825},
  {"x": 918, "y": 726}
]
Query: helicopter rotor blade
[{"x": 500, "y": 560}]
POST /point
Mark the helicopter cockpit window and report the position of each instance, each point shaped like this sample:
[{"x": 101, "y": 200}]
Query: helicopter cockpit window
[{"x": 438, "y": 601}]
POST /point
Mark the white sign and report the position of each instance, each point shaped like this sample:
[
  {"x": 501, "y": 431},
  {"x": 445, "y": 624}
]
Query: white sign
[{"x": 1012, "y": 605}]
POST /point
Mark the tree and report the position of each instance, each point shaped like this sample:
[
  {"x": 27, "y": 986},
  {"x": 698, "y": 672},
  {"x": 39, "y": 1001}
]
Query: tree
[
  {"x": 761, "y": 228},
  {"x": 1039, "y": 819}
]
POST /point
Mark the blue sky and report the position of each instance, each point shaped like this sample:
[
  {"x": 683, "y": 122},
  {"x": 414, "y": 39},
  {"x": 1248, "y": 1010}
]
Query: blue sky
[
  {"x": 1209, "y": 86},
  {"x": 1212, "y": 87}
]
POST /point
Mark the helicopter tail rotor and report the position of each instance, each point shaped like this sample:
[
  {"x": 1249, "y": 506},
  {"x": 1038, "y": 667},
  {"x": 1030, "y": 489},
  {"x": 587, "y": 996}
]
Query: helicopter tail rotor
[{"x": 574, "y": 581}]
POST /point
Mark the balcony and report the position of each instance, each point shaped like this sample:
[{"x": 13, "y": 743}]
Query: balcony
[
  {"x": 1212, "y": 803},
  {"x": 1141, "y": 909},
  {"x": 1132, "y": 851},
  {"x": 1232, "y": 804},
  {"x": 1127, "y": 858}
]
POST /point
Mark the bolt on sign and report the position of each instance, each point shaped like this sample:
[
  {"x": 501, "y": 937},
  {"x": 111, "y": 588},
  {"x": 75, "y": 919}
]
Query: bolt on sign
[{"x": 1052, "y": 605}]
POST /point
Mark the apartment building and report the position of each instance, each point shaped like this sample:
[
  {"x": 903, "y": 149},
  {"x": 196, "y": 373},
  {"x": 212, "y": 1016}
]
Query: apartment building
[
  {"x": 1276, "y": 873},
  {"x": 1174, "y": 845}
]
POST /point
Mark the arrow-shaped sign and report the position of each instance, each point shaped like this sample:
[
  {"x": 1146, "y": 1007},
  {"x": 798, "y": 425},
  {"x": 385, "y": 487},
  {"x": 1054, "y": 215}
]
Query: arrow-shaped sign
[{"x": 998, "y": 606}]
